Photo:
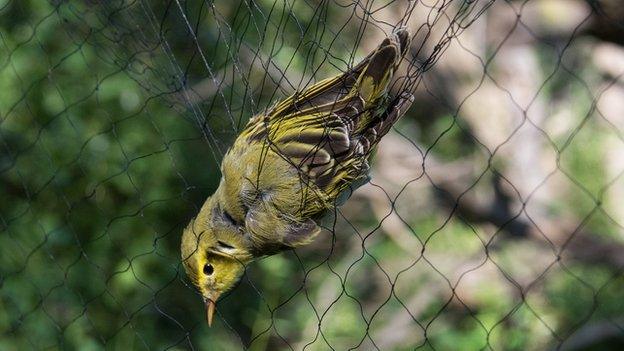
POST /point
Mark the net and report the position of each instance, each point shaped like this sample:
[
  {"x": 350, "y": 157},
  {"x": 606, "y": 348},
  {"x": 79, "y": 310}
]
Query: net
[{"x": 492, "y": 218}]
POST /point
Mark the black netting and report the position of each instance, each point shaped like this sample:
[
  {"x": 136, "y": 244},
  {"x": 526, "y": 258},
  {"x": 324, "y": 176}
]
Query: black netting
[{"x": 493, "y": 218}]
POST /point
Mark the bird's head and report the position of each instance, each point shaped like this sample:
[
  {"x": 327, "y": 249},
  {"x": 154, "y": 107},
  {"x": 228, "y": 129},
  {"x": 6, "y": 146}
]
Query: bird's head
[{"x": 213, "y": 254}]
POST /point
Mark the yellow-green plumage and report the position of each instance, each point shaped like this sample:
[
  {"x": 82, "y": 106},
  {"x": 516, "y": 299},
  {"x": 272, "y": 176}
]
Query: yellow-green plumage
[{"x": 290, "y": 166}]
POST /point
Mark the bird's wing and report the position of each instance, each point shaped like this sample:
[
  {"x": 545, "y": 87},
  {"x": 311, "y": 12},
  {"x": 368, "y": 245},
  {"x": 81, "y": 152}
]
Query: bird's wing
[{"x": 327, "y": 130}]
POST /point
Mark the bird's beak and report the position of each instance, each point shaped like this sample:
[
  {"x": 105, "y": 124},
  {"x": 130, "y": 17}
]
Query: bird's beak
[{"x": 211, "y": 303}]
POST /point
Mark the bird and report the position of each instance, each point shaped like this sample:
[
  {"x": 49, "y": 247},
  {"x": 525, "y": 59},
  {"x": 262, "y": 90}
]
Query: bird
[{"x": 291, "y": 166}]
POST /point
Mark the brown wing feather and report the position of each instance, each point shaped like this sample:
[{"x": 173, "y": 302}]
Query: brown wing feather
[{"x": 328, "y": 130}]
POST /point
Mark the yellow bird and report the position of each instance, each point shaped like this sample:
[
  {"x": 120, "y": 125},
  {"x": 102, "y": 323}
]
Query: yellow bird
[{"x": 290, "y": 167}]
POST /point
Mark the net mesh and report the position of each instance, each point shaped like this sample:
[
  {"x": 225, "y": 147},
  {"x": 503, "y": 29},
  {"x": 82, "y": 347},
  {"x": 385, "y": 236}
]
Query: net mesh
[{"x": 492, "y": 219}]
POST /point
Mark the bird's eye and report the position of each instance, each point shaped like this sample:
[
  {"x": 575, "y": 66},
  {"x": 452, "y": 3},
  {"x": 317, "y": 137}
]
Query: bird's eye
[{"x": 208, "y": 269}]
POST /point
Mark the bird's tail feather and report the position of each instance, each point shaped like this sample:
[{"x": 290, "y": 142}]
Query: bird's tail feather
[
  {"x": 369, "y": 80},
  {"x": 380, "y": 67}
]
